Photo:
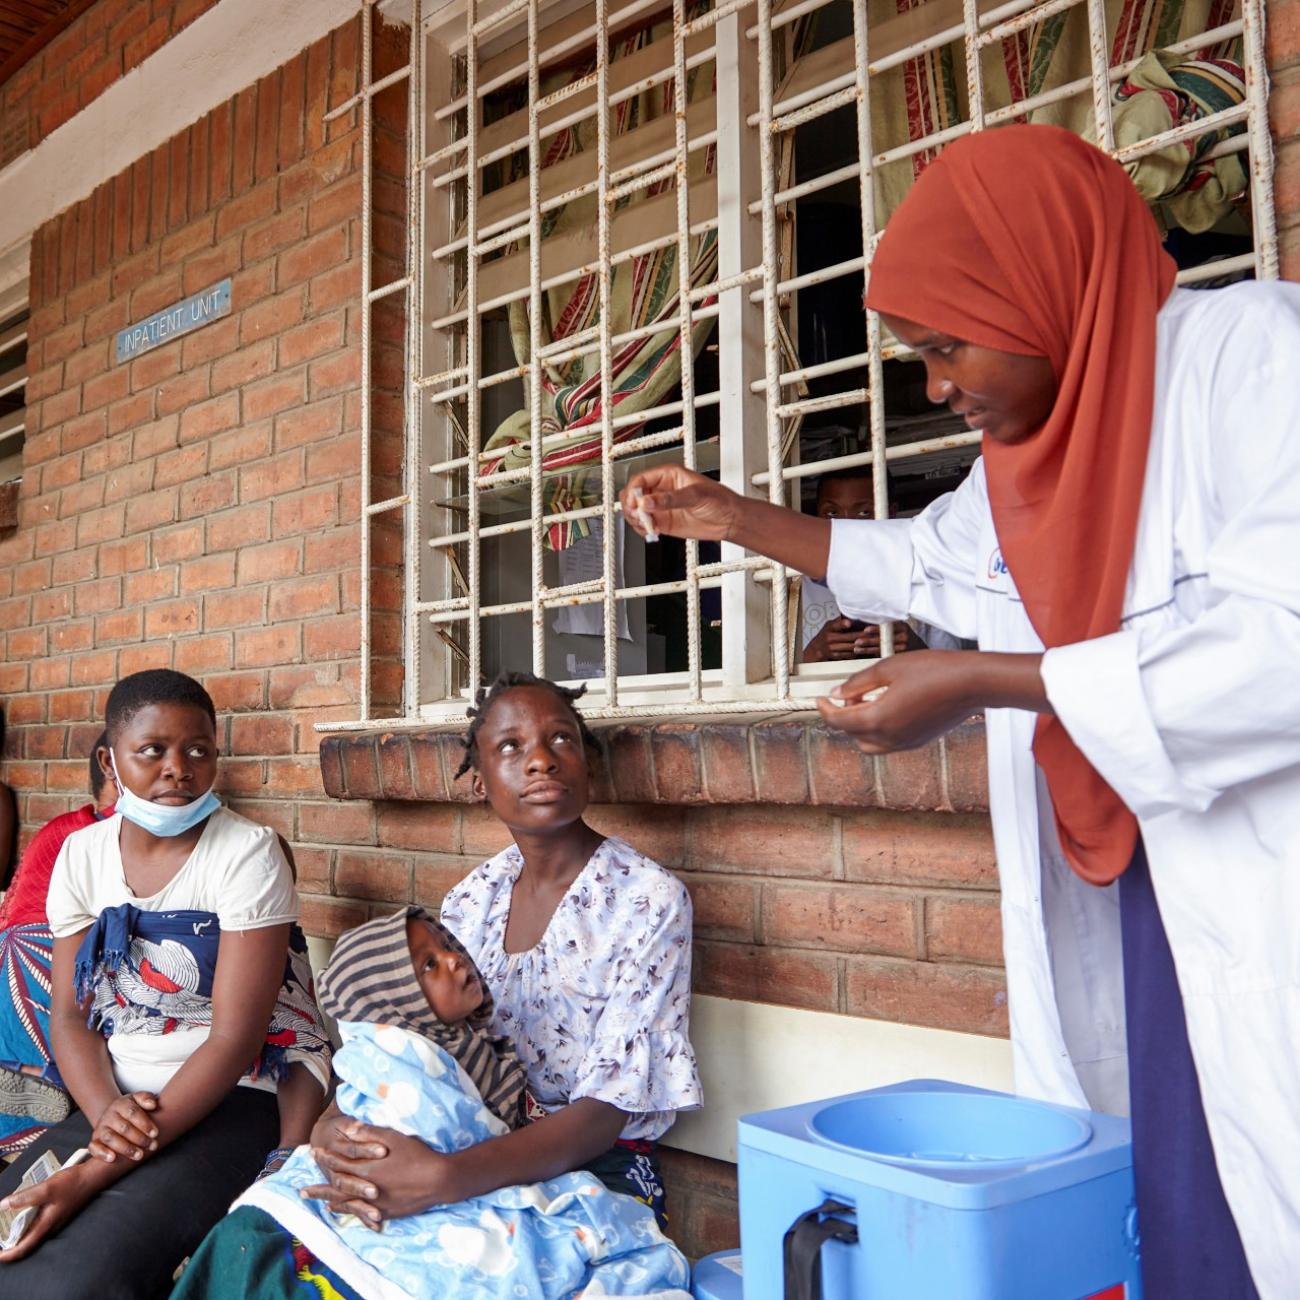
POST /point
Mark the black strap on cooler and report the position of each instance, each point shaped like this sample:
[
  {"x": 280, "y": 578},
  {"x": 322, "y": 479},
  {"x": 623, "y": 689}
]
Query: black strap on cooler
[{"x": 803, "y": 1247}]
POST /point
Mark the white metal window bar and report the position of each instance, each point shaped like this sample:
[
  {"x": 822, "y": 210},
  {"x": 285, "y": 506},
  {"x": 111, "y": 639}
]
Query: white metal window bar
[{"x": 494, "y": 243}]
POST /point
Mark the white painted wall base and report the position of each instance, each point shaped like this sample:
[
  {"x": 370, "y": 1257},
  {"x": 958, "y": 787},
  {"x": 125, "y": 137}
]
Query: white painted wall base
[{"x": 754, "y": 1056}]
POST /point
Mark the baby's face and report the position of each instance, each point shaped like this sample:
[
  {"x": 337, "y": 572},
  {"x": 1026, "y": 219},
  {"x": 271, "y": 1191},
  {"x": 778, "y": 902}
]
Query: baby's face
[{"x": 450, "y": 982}]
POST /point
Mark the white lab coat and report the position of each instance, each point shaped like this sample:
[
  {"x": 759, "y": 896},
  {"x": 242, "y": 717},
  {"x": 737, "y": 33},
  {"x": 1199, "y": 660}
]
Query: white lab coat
[{"x": 1192, "y": 713}]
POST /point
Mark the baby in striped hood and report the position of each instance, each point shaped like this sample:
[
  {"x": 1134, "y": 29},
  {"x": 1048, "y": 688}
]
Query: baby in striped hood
[{"x": 407, "y": 970}]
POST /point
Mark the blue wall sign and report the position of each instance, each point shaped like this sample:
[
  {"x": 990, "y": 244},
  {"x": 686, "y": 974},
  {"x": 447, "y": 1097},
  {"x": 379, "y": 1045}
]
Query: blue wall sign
[{"x": 195, "y": 311}]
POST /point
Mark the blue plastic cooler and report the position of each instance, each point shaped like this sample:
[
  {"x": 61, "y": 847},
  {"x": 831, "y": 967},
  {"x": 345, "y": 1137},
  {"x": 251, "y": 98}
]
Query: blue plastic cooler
[{"x": 933, "y": 1191}]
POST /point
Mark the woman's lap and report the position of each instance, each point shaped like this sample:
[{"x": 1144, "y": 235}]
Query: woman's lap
[
  {"x": 1191, "y": 1249},
  {"x": 126, "y": 1244}
]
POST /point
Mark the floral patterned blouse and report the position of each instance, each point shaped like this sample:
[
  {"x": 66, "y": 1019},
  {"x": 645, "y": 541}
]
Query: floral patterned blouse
[{"x": 601, "y": 1006}]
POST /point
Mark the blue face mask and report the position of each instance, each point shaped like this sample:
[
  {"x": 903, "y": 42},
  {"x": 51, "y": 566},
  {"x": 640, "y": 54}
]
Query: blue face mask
[{"x": 161, "y": 819}]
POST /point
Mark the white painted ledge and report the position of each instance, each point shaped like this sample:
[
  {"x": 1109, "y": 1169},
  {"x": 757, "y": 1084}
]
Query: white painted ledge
[{"x": 754, "y": 1056}]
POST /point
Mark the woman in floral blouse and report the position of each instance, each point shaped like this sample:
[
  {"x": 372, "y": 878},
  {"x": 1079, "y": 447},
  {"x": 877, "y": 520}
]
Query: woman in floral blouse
[{"x": 585, "y": 945}]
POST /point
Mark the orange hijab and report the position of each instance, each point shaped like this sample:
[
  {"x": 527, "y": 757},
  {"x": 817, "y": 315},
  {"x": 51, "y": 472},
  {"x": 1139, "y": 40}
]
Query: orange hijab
[{"x": 1030, "y": 240}]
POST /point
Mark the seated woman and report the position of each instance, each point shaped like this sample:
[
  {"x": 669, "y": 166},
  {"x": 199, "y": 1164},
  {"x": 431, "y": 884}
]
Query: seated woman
[
  {"x": 32, "y": 1096},
  {"x": 585, "y": 948},
  {"x": 171, "y": 925},
  {"x": 417, "y": 1056}
]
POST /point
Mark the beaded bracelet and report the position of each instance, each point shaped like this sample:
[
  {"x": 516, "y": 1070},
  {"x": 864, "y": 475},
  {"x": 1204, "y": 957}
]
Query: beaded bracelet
[{"x": 274, "y": 1160}]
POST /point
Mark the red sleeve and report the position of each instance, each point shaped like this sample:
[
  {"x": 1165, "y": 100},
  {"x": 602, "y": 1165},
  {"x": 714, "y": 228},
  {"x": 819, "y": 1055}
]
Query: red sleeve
[{"x": 24, "y": 901}]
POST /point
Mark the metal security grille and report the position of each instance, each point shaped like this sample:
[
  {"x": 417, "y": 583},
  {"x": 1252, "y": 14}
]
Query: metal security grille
[{"x": 492, "y": 93}]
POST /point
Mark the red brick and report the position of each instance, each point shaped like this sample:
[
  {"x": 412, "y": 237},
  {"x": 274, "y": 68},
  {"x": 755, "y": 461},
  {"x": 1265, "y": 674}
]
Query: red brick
[
  {"x": 212, "y": 573},
  {"x": 274, "y": 234},
  {"x": 313, "y": 868},
  {"x": 919, "y": 849},
  {"x": 176, "y": 618},
  {"x": 435, "y": 877},
  {"x": 724, "y": 907},
  {"x": 28, "y": 643},
  {"x": 179, "y": 466},
  {"x": 127, "y": 625},
  {"x": 271, "y": 477},
  {"x": 188, "y": 240},
  {"x": 240, "y": 446},
  {"x": 33, "y": 576},
  {"x": 912, "y": 778},
  {"x": 482, "y": 831},
  {"x": 207, "y": 418},
  {"x": 238, "y": 775},
  {"x": 93, "y": 669},
  {"x": 306, "y": 686},
  {"x": 130, "y": 481},
  {"x": 273, "y": 561},
  {"x": 963, "y": 929},
  {"x": 372, "y": 875},
  {"x": 203, "y": 270},
  {"x": 83, "y": 430},
  {"x": 209, "y": 343},
  {"x": 69, "y": 636},
  {"x": 847, "y": 918},
  {"x": 293, "y": 776},
  {"x": 237, "y": 690},
  {"x": 268, "y": 126},
  {"x": 966, "y": 767},
  {"x": 336, "y": 288},
  {"x": 151, "y": 369},
  {"x": 50, "y": 674},
  {"x": 151, "y": 511},
  {"x": 131, "y": 412},
  {"x": 332, "y": 638},
  {"x": 303, "y": 598},
  {"x": 81, "y": 497},
  {"x": 71, "y": 706},
  {"x": 752, "y": 974},
  {"x": 207, "y": 495},
  {"x": 315, "y": 338},
  {"x": 337, "y": 823},
  {"x": 972, "y": 999},
  {"x": 75, "y": 566},
  {"x": 253, "y": 362},
  {"x": 62, "y": 343},
  {"x": 756, "y": 839},
  {"x": 658, "y": 831},
  {"x": 152, "y": 584},
  {"x": 155, "y": 438},
  {"x": 305, "y": 424},
  {"x": 236, "y": 528},
  {"x": 137, "y": 659},
  {"x": 55, "y": 410},
  {"x": 199, "y": 655},
  {"x": 51, "y": 605},
  {"x": 184, "y": 390},
  {"x": 234, "y": 609},
  {"x": 246, "y": 208},
  {"x": 334, "y": 374},
  {"x": 328, "y": 918},
  {"x": 305, "y": 511},
  {"x": 96, "y": 597},
  {"x": 316, "y": 254},
  {"x": 261, "y": 734},
  {"x": 103, "y": 389},
  {"x": 263, "y": 647},
  {"x": 182, "y": 543},
  {"x": 278, "y": 393}
]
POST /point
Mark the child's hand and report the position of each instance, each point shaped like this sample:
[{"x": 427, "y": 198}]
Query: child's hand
[{"x": 125, "y": 1128}]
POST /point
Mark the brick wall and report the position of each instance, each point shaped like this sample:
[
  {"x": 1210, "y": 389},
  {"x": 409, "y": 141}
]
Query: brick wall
[
  {"x": 74, "y": 69},
  {"x": 1284, "y": 115},
  {"x": 197, "y": 508}
]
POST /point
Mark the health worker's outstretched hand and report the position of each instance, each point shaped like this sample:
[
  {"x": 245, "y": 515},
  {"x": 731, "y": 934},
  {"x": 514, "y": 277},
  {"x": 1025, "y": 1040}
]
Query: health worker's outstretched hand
[
  {"x": 674, "y": 500},
  {"x": 907, "y": 700}
]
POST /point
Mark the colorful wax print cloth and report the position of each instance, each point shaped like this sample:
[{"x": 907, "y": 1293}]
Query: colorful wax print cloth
[
  {"x": 26, "y": 952},
  {"x": 151, "y": 974},
  {"x": 600, "y": 1006},
  {"x": 565, "y": 1237}
]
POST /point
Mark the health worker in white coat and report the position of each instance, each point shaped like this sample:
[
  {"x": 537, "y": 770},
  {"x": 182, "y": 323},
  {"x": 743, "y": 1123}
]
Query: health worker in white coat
[{"x": 1136, "y": 511}]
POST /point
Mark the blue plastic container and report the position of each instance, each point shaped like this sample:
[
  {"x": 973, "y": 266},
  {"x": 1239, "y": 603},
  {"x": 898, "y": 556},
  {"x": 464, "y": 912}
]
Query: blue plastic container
[
  {"x": 718, "y": 1277},
  {"x": 933, "y": 1191}
]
